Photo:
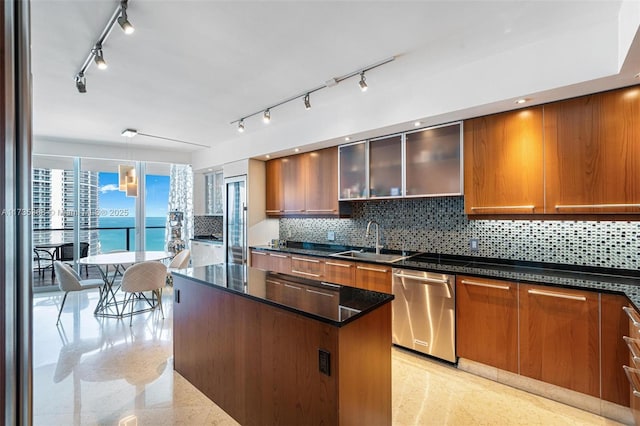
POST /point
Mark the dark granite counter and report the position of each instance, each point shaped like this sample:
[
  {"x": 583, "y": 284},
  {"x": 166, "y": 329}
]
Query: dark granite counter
[
  {"x": 606, "y": 280},
  {"x": 329, "y": 303}
]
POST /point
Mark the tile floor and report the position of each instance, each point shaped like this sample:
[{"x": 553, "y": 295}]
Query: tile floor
[{"x": 94, "y": 371}]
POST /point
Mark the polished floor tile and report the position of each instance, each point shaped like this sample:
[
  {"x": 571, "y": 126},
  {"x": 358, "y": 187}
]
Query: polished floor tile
[{"x": 100, "y": 371}]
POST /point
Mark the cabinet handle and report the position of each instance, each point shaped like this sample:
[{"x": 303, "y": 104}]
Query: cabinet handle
[
  {"x": 557, "y": 295},
  {"x": 634, "y": 348},
  {"x": 305, "y": 260},
  {"x": 364, "y": 268},
  {"x": 273, "y": 211},
  {"x": 293, "y": 286},
  {"x": 259, "y": 253},
  {"x": 425, "y": 279},
  {"x": 496, "y": 286},
  {"x": 589, "y": 206},
  {"x": 305, "y": 273},
  {"x": 330, "y": 285},
  {"x": 294, "y": 211},
  {"x": 503, "y": 207},
  {"x": 632, "y": 374},
  {"x": 341, "y": 265},
  {"x": 322, "y": 210},
  {"x": 632, "y": 314},
  {"x": 319, "y": 292},
  {"x": 273, "y": 282},
  {"x": 278, "y": 255}
]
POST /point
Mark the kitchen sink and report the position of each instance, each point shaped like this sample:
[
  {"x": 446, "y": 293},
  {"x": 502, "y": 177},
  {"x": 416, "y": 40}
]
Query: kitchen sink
[{"x": 354, "y": 254}]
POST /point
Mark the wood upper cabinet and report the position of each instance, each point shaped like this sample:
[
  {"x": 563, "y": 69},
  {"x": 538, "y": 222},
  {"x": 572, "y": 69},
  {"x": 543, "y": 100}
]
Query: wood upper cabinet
[
  {"x": 294, "y": 183},
  {"x": 322, "y": 182},
  {"x": 274, "y": 187},
  {"x": 303, "y": 184},
  {"x": 592, "y": 153},
  {"x": 487, "y": 321},
  {"x": 503, "y": 163},
  {"x": 373, "y": 277},
  {"x": 559, "y": 337}
]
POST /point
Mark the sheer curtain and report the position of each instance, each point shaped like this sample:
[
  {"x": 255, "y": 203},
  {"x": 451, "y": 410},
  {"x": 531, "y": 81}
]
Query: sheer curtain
[{"x": 181, "y": 199}]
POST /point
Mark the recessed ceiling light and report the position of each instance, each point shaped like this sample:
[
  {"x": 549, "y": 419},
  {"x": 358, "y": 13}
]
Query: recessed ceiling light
[
  {"x": 417, "y": 123},
  {"x": 521, "y": 100},
  {"x": 129, "y": 133},
  {"x": 267, "y": 156},
  {"x": 297, "y": 150},
  {"x": 210, "y": 170},
  {"x": 347, "y": 138},
  {"x": 637, "y": 75}
]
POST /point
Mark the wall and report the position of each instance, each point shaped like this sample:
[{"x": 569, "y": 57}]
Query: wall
[{"x": 439, "y": 225}]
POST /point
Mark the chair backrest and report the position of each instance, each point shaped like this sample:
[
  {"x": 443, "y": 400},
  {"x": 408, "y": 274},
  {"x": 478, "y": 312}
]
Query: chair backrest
[
  {"x": 84, "y": 249},
  {"x": 181, "y": 260},
  {"x": 144, "y": 276},
  {"x": 65, "y": 252},
  {"x": 68, "y": 279}
]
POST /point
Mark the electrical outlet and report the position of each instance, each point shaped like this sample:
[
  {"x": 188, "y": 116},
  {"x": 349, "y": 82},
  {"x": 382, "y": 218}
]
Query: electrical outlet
[
  {"x": 331, "y": 236},
  {"x": 289, "y": 233},
  {"x": 474, "y": 244}
]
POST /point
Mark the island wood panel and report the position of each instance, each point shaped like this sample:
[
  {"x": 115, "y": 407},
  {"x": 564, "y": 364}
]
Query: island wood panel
[
  {"x": 559, "y": 337},
  {"x": 294, "y": 184},
  {"x": 487, "y": 321},
  {"x": 592, "y": 152},
  {"x": 339, "y": 272},
  {"x": 274, "y": 190},
  {"x": 366, "y": 343},
  {"x": 373, "y": 277},
  {"x": 322, "y": 182},
  {"x": 615, "y": 353},
  {"x": 503, "y": 163}
]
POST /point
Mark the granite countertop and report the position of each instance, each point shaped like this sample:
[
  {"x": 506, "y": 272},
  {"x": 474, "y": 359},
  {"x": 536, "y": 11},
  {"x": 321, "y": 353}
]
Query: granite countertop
[
  {"x": 330, "y": 303},
  {"x": 606, "y": 280}
]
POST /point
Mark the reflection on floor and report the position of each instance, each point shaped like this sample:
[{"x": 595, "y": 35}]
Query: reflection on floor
[{"x": 100, "y": 371}]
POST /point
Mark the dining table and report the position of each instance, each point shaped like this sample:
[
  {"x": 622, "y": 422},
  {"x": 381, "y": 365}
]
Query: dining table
[{"x": 111, "y": 266}]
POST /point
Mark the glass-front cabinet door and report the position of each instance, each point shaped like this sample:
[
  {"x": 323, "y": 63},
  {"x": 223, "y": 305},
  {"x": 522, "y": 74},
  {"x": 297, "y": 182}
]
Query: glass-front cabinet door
[
  {"x": 385, "y": 167},
  {"x": 353, "y": 171},
  {"x": 436, "y": 150},
  {"x": 213, "y": 195}
]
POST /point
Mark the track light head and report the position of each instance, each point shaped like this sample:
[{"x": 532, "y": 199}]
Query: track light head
[
  {"x": 124, "y": 23},
  {"x": 307, "y": 102},
  {"x": 81, "y": 83},
  {"x": 99, "y": 58},
  {"x": 363, "y": 83},
  {"x": 129, "y": 133},
  {"x": 266, "y": 117},
  {"x": 241, "y": 125}
]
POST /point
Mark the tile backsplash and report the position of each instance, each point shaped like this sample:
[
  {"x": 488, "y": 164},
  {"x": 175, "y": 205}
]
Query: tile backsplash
[
  {"x": 207, "y": 225},
  {"x": 439, "y": 225}
]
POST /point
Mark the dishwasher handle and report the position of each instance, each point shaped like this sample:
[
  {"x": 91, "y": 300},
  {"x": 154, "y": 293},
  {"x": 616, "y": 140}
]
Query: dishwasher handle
[{"x": 420, "y": 278}]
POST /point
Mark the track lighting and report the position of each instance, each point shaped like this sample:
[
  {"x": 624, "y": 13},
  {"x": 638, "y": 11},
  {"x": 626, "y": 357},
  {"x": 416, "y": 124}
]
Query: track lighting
[
  {"x": 306, "y": 95},
  {"x": 95, "y": 54},
  {"x": 122, "y": 19},
  {"x": 99, "y": 58},
  {"x": 363, "y": 83},
  {"x": 81, "y": 83}
]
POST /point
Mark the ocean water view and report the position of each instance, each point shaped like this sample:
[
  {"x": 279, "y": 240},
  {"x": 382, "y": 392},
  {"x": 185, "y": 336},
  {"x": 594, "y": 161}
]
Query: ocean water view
[{"x": 115, "y": 239}]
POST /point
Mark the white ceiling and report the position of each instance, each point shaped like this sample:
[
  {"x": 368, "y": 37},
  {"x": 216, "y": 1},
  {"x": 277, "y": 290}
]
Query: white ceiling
[{"x": 192, "y": 67}]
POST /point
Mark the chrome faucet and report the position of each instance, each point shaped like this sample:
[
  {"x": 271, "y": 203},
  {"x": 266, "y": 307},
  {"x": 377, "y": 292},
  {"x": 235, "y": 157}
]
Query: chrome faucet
[{"x": 378, "y": 246}]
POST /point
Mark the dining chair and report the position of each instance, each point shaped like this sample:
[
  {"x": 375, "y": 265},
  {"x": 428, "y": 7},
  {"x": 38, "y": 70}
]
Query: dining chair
[
  {"x": 69, "y": 280},
  {"x": 65, "y": 254},
  {"x": 44, "y": 259},
  {"x": 179, "y": 261},
  {"x": 141, "y": 277}
]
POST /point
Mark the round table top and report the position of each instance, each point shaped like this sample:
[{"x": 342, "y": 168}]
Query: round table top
[{"x": 124, "y": 257}]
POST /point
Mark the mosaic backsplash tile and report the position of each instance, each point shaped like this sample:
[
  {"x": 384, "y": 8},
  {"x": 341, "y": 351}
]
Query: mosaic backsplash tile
[
  {"x": 207, "y": 225},
  {"x": 439, "y": 225}
]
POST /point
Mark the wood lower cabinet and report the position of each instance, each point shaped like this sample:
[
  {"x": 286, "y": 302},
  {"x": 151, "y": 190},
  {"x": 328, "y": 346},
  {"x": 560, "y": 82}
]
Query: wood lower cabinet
[
  {"x": 633, "y": 328},
  {"x": 592, "y": 153},
  {"x": 559, "y": 337},
  {"x": 260, "y": 259},
  {"x": 373, "y": 277},
  {"x": 308, "y": 267},
  {"x": 615, "y": 354},
  {"x": 487, "y": 321},
  {"x": 271, "y": 261},
  {"x": 340, "y": 272},
  {"x": 503, "y": 163}
]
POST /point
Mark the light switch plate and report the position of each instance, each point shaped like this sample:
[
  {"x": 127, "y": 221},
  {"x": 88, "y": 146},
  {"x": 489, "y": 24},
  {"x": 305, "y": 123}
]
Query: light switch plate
[
  {"x": 331, "y": 236},
  {"x": 474, "y": 244}
]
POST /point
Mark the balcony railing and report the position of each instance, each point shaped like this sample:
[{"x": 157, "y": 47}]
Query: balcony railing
[{"x": 97, "y": 236}]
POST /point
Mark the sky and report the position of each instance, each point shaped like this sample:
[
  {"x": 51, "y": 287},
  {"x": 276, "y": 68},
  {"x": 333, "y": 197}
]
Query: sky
[{"x": 157, "y": 188}]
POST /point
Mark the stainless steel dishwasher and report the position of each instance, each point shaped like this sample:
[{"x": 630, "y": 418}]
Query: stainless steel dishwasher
[{"x": 424, "y": 312}]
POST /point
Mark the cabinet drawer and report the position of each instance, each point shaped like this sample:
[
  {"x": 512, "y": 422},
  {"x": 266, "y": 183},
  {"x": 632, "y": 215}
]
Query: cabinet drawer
[
  {"x": 280, "y": 262},
  {"x": 260, "y": 260},
  {"x": 339, "y": 272},
  {"x": 309, "y": 267},
  {"x": 373, "y": 277}
]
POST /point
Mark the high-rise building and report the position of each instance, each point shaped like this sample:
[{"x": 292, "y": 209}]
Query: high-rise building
[{"x": 54, "y": 209}]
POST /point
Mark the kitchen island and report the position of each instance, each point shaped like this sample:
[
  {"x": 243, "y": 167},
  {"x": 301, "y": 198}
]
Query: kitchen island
[{"x": 273, "y": 349}]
